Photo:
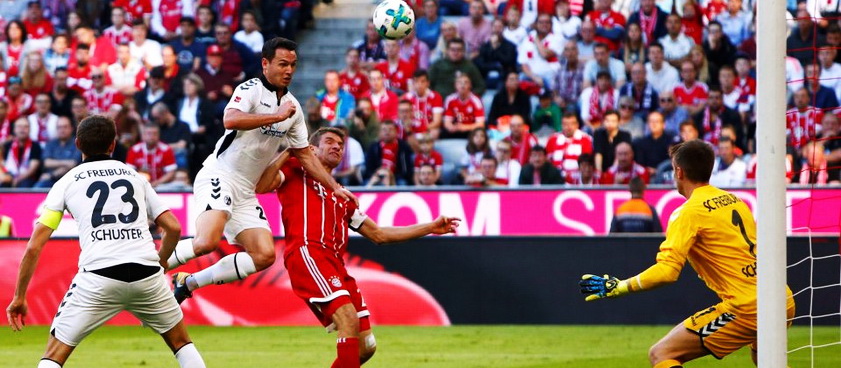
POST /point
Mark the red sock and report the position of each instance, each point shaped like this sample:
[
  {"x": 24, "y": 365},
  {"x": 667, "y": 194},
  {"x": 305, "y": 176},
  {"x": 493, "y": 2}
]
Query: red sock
[{"x": 348, "y": 353}]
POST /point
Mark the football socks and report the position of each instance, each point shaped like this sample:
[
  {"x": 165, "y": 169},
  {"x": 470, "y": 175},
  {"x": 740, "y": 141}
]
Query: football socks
[
  {"x": 188, "y": 357},
  {"x": 232, "y": 267}
]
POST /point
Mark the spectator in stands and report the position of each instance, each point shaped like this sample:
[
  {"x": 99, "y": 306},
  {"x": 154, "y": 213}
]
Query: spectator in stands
[
  {"x": 153, "y": 93},
  {"x": 20, "y": 103},
  {"x": 189, "y": 49},
  {"x": 173, "y": 132},
  {"x": 831, "y": 137},
  {"x": 514, "y": 30},
  {"x": 662, "y": 75},
  {"x": 370, "y": 48},
  {"x": 428, "y": 27},
  {"x": 427, "y": 106},
  {"x": 735, "y": 23},
  {"x": 197, "y": 112},
  {"x": 60, "y": 154},
  {"x": 474, "y": 29},
  {"x": 79, "y": 73},
  {"x": 538, "y": 54},
  {"x": 547, "y": 115},
  {"x": 73, "y": 21},
  {"x": 830, "y": 70},
  {"x": 602, "y": 62},
  {"x": 352, "y": 77},
  {"x": 39, "y": 29},
  {"x": 237, "y": 58},
  {"x": 166, "y": 15},
  {"x": 539, "y": 171},
  {"x": 653, "y": 149},
  {"x": 642, "y": 93},
  {"x": 624, "y": 168},
  {"x": 692, "y": 21},
  {"x": 717, "y": 47},
  {"x": 833, "y": 39},
  {"x": 570, "y": 82},
  {"x": 705, "y": 70},
  {"x": 280, "y": 17},
  {"x": 396, "y": 72},
  {"x": 427, "y": 156},
  {"x": 728, "y": 170},
  {"x": 218, "y": 83},
  {"x": 119, "y": 33},
  {"x": 147, "y": 51},
  {"x": 366, "y": 125},
  {"x": 349, "y": 171},
  {"x": 586, "y": 175},
  {"x": 731, "y": 93},
  {"x": 803, "y": 121},
  {"x": 801, "y": 42},
  {"x": 636, "y": 215},
  {"x": 564, "y": 24},
  {"x": 587, "y": 41},
  {"x": 15, "y": 47},
  {"x": 509, "y": 100},
  {"x": 102, "y": 99},
  {"x": 22, "y": 156},
  {"x": 127, "y": 75},
  {"x": 730, "y": 132},
  {"x": 595, "y": 101},
  {"x": 128, "y": 123},
  {"x": 497, "y": 57},
  {"x": 610, "y": 25},
  {"x": 485, "y": 177},
  {"x": 204, "y": 29},
  {"x": 443, "y": 73},
  {"x": 426, "y": 176},
  {"x": 628, "y": 121},
  {"x": 58, "y": 55},
  {"x": 391, "y": 155},
  {"x": 43, "y": 124},
  {"x": 337, "y": 105},
  {"x": 414, "y": 51},
  {"x": 102, "y": 51},
  {"x": 691, "y": 93},
  {"x": 521, "y": 139},
  {"x": 79, "y": 109},
  {"x": 689, "y": 131},
  {"x": 405, "y": 124},
  {"x": 672, "y": 112},
  {"x": 34, "y": 76},
  {"x": 652, "y": 21},
  {"x": 676, "y": 45},
  {"x": 564, "y": 148},
  {"x": 153, "y": 158},
  {"x": 7, "y": 130},
  {"x": 715, "y": 116},
  {"x": 449, "y": 32},
  {"x": 632, "y": 50},
  {"x": 463, "y": 110},
  {"x": 607, "y": 138},
  {"x": 822, "y": 97},
  {"x": 454, "y": 7},
  {"x": 134, "y": 10},
  {"x": 314, "y": 120},
  {"x": 507, "y": 169},
  {"x": 477, "y": 147},
  {"x": 383, "y": 100},
  {"x": 250, "y": 34},
  {"x": 530, "y": 10}
]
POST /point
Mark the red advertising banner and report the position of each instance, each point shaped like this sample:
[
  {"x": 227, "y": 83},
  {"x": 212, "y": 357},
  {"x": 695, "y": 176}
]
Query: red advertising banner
[
  {"x": 506, "y": 213},
  {"x": 265, "y": 298}
]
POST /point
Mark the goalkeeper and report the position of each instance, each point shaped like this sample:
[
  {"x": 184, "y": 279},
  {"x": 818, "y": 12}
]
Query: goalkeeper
[{"x": 716, "y": 232}]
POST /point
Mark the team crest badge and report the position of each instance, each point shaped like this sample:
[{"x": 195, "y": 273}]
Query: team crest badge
[
  {"x": 227, "y": 200},
  {"x": 335, "y": 281},
  {"x": 237, "y": 99}
]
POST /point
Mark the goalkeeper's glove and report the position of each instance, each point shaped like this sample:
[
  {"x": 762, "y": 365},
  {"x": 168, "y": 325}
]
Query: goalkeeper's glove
[{"x": 597, "y": 287}]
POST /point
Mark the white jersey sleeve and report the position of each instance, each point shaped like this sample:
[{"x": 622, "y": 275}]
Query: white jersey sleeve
[
  {"x": 245, "y": 96},
  {"x": 56, "y": 197},
  {"x": 154, "y": 205}
]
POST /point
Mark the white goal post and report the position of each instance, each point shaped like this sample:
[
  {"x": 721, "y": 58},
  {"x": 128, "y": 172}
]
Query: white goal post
[{"x": 770, "y": 183}]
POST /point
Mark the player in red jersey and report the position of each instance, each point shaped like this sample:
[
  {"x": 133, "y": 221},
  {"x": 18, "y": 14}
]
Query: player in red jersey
[
  {"x": 317, "y": 224},
  {"x": 427, "y": 104}
]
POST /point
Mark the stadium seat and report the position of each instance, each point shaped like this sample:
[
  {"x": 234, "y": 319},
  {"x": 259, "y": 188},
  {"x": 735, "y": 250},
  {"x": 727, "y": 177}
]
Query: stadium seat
[{"x": 451, "y": 150}]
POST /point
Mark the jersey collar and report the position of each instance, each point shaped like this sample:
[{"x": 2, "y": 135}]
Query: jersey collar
[
  {"x": 99, "y": 157},
  {"x": 271, "y": 87}
]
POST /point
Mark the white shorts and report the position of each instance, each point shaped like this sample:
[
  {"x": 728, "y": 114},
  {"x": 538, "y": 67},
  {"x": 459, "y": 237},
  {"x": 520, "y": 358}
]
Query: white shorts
[
  {"x": 218, "y": 191},
  {"x": 93, "y": 299}
]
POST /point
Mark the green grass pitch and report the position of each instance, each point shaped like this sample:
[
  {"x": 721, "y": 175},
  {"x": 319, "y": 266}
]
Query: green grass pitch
[{"x": 399, "y": 347}]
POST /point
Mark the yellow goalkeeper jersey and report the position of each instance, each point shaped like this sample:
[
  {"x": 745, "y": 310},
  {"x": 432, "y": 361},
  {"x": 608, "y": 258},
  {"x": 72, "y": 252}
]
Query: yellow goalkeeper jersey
[{"x": 715, "y": 231}]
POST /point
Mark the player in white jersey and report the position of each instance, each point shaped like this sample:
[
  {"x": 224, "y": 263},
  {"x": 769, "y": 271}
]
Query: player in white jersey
[
  {"x": 119, "y": 268},
  {"x": 260, "y": 117}
]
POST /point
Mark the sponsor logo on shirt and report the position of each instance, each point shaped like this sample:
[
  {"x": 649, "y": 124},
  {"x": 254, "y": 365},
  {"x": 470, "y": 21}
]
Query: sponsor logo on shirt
[{"x": 272, "y": 131}]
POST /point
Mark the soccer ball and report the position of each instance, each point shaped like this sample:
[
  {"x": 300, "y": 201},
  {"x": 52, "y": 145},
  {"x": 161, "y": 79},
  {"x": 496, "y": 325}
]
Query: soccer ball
[{"x": 394, "y": 19}]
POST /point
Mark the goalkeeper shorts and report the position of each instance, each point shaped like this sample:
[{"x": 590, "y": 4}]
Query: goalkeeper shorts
[{"x": 722, "y": 331}]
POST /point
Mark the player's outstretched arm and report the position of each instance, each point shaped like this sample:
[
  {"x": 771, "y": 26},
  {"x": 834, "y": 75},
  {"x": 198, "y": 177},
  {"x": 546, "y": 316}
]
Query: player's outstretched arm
[
  {"x": 238, "y": 120},
  {"x": 272, "y": 177},
  {"x": 314, "y": 167},
  {"x": 598, "y": 287},
  {"x": 396, "y": 234},
  {"x": 172, "y": 234},
  {"x": 16, "y": 312}
]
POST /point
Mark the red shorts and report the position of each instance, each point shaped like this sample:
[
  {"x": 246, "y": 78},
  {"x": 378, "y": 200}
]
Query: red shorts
[{"x": 320, "y": 278}]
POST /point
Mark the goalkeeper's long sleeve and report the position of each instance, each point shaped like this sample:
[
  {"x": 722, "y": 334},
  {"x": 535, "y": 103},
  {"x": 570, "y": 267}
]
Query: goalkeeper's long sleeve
[{"x": 655, "y": 276}]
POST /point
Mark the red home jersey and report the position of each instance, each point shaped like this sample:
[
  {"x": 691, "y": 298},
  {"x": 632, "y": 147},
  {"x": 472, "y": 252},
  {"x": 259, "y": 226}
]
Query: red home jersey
[
  {"x": 424, "y": 109},
  {"x": 694, "y": 95},
  {"x": 135, "y": 9},
  {"x": 398, "y": 77},
  {"x": 311, "y": 214},
  {"x": 614, "y": 175},
  {"x": 118, "y": 37},
  {"x": 463, "y": 111},
  {"x": 609, "y": 19},
  {"x": 564, "y": 151},
  {"x": 802, "y": 126},
  {"x": 521, "y": 151},
  {"x": 385, "y": 105},
  {"x": 100, "y": 102},
  {"x": 42, "y": 29},
  {"x": 434, "y": 158},
  {"x": 156, "y": 162},
  {"x": 171, "y": 14},
  {"x": 357, "y": 85}
]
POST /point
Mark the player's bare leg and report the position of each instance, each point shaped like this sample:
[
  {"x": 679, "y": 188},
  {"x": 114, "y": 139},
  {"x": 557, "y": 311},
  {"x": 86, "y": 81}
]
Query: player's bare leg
[
  {"x": 56, "y": 354},
  {"x": 210, "y": 225},
  {"x": 367, "y": 346},
  {"x": 347, "y": 341},
  {"x": 677, "y": 347},
  {"x": 179, "y": 342}
]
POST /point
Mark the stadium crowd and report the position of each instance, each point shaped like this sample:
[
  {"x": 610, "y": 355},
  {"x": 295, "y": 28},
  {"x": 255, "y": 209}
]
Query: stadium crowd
[{"x": 483, "y": 93}]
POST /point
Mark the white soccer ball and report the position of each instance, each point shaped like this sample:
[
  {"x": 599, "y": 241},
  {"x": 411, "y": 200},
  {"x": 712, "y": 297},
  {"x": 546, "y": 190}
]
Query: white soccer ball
[{"x": 394, "y": 19}]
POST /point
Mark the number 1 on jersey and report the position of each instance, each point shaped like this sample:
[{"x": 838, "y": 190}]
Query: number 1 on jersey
[{"x": 737, "y": 221}]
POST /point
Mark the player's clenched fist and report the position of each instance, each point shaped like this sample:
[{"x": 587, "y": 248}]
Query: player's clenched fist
[
  {"x": 286, "y": 110},
  {"x": 598, "y": 287}
]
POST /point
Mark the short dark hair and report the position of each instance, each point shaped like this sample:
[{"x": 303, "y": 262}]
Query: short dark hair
[
  {"x": 271, "y": 46},
  {"x": 538, "y": 148},
  {"x": 586, "y": 158},
  {"x": 421, "y": 73},
  {"x": 138, "y": 22},
  {"x": 833, "y": 27},
  {"x": 637, "y": 185},
  {"x": 83, "y": 46},
  {"x": 695, "y": 158},
  {"x": 655, "y": 44},
  {"x": 489, "y": 156},
  {"x": 455, "y": 40},
  {"x": 600, "y": 45},
  {"x": 610, "y": 112},
  {"x": 315, "y": 138},
  {"x": 715, "y": 89},
  {"x": 96, "y": 133},
  {"x": 604, "y": 74}
]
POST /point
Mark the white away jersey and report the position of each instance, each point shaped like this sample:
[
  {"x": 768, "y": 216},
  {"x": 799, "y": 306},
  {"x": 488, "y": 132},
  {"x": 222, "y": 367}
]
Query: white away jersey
[
  {"x": 112, "y": 204},
  {"x": 246, "y": 153}
]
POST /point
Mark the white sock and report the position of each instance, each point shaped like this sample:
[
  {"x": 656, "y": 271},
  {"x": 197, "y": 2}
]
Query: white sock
[
  {"x": 182, "y": 254},
  {"x": 232, "y": 267},
  {"x": 46, "y": 363},
  {"x": 188, "y": 357}
]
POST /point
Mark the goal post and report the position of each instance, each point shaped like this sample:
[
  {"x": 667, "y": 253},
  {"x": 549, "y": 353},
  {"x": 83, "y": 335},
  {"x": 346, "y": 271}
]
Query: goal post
[{"x": 770, "y": 183}]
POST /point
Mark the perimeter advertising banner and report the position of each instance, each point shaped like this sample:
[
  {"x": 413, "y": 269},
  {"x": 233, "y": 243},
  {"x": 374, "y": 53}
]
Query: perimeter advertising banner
[{"x": 507, "y": 213}]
